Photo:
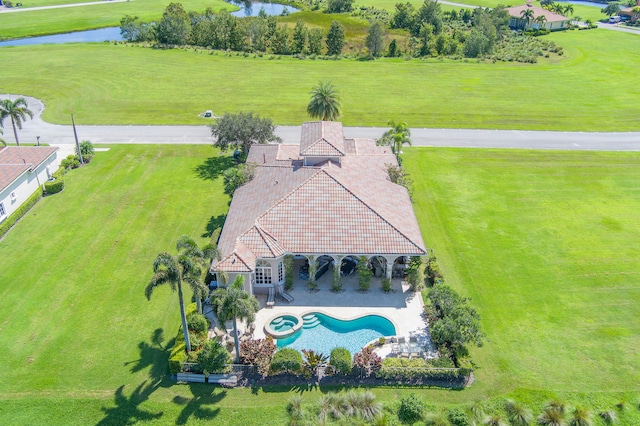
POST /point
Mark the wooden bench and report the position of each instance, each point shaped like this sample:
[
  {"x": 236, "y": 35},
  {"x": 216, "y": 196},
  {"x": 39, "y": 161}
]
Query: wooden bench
[
  {"x": 223, "y": 379},
  {"x": 191, "y": 377}
]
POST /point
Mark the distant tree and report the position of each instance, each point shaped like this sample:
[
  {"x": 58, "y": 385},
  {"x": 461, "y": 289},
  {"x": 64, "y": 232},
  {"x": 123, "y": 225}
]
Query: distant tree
[
  {"x": 393, "y": 49},
  {"x": 612, "y": 9},
  {"x": 17, "y": 111},
  {"x": 375, "y": 39},
  {"x": 325, "y": 102},
  {"x": 404, "y": 16},
  {"x": 133, "y": 30},
  {"x": 233, "y": 302},
  {"x": 242, "y": 130},
  {"x": 429, "y": 13},
  {"x": 315, "y": 41},
  {"x": 280, "y": 41},
  {"x": 335, "y": 38},
  {"x": 175, "y": 25},
  {"x": 235, "y": 177},
  {"x": 339, "y": 6},
  {"x": 299, "y": 40}
]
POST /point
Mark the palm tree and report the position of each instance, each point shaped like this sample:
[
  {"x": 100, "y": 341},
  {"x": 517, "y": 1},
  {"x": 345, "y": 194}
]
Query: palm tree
[
  {"x": 568, "y": 9},
  {"x": 325, "y": 102},
  {"x": 232, "y": 303},
  {"x": 2, "y": 141},
  {"x": 518, "y": 414},
  {"x": 17, "y": 110},
  {"x": 527, "y": 16},
  {"x": 540, "y": 19},
  {"x": 396, "y": 137},
  {"x": 200, "y": 259},
  {"x": 557, "y": 8},
  {"x": 551, "y": 416}
]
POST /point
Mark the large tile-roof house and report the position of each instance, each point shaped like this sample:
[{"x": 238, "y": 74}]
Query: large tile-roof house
[
  {"x": 22, "y": 170},
  {"x": 632, "y": 12},
  {"x": 328, "y": 196},
  {"x": 552, "y": 21}
]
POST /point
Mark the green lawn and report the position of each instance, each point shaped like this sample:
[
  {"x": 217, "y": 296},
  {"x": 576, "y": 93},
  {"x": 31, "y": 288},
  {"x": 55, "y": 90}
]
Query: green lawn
[
  {"x": 593, "y": 87},
  {"x": 545, "y": 243},
  {"x": 50, "y": 21}
]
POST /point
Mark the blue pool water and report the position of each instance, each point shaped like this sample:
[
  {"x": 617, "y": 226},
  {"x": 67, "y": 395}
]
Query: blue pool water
[
  {"x": 284, "y": 323},
  {"x": 322, "y": 333}
]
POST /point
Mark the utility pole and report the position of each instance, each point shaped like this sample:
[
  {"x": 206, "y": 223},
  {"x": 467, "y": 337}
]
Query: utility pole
[{"x": 77, "y": 143}]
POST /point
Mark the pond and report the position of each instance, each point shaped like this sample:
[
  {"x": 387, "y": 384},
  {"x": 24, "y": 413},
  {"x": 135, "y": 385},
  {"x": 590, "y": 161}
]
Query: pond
[
  {"x": 252, "y": 8},
  {"x": 103, "y": 34},
  {"x": 113, "y": 33},
  {"x": 584, "y": 3}
]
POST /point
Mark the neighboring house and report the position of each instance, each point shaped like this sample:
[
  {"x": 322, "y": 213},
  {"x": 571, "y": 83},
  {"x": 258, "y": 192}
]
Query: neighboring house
[
  {"x": 552, "y": 21},
  {"x": 22, "y": 170},
  {"x": 328, "y": 197},
  {"x": 633, "y": 15}
]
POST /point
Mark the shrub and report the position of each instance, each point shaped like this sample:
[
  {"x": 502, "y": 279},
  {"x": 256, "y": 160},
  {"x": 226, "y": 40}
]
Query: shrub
[
  {"x": 341, "y": 360},
  {"x": 71, "y": 162},
  {"x": 87, "y": 150},
  {"x": 258, "y": 352},
  {"x": 367, "y": 361},
  {"x": 20, "y": 211},
  {"x": 364, "y": 274},
  {"x": 411, "y": 409},
  {"x": 417, "y": 369},
  {"x": 214, "y": 358},
  {"x": 286, "y": 360},
  {"x": 517, "y": 413},
  {"x": 288, "y": 272},
  {"x": 386, "y": 285},
  {"x": 53, "y": 186},
  {"x": 197, "y": 323},
  {"x": 609, "y": 417},
  {"x": 457, "y": 417}
]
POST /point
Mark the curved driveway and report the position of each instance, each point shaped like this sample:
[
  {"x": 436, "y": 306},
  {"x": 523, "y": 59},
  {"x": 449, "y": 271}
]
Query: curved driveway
[{"x": 464, "y": 138}]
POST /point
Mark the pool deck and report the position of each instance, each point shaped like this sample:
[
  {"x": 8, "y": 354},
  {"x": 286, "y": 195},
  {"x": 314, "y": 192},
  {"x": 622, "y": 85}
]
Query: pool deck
[{"x": 401, "y": 306}]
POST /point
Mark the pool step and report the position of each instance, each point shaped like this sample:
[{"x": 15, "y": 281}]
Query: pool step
[
  {"x": 309, "y": 317},
  {"x": 311, "y": 324},
  {"x": 277, "y": 321}
]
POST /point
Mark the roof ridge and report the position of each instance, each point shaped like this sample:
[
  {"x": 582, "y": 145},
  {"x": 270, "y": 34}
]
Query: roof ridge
[
  {"x": 322, "y": 138},
  {"x": 371, "y": 209},
  {"x": 257, "y": 228}
]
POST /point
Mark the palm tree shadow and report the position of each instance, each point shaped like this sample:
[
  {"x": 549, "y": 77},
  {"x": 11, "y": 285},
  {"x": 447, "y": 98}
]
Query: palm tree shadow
[
  {"x": 213, "y": 167},
  {"x": 203, "y": 395},
  {"x": 156, "y": 356},
  {"x": 126, "y": 410},
  {"x": 215, "y": 222}
]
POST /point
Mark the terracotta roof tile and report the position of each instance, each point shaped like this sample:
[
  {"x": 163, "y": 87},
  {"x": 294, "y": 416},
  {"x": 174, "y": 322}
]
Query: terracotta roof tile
[
  {"x": 516, "y": 12},
  {"x": 15, "y": 160},
  {"x": 322, "y": 138}
]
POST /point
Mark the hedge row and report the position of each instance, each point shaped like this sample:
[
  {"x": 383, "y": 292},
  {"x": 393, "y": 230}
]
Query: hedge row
[
  {"x": 21, "y": 211},
  {"x": 405, "y": 374},
  {"x": 53, "y": 186}
]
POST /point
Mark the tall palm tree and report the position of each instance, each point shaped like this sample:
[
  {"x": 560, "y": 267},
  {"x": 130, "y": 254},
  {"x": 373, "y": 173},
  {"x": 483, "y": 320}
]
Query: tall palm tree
[
  {"x": 232, "y": 303},
  {"x": 186, "y": 267},
  {"x": 200, "y": 258},
  {"x": 325, "y": 102},
  {"x": 557, "y": 8},
  {"x": 540, "y": 19},
  {"x": 17, "y": 110}
]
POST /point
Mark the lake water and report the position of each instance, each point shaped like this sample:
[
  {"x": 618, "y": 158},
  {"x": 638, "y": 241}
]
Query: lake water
[
  {"x": 103, "y": 34},
  {"x": 253, "y": 8},
  {"x": 113, "y": 33},
  {"x": 584, "y": 3}
]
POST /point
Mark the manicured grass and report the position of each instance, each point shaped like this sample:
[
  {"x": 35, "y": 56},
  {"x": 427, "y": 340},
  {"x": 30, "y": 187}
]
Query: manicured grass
[
  {"x": 545, "y": 245},
  {"x": 543, "y": 242},
  {"x": 591, "y": 88},
  {"x": 51, "y": 21}
]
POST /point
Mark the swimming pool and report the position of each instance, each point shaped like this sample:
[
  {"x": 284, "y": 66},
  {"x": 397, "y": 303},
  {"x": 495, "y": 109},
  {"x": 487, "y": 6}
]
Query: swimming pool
[{"x": 322, "y": 333}]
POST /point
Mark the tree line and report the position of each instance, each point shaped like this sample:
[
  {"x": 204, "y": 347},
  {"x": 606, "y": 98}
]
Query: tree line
[{"x": 431, "y": 32}]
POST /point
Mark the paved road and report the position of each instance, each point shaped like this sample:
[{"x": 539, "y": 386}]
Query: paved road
[
  {"x": 55, "y": 6},
  {"x": 466, "y": 138}
]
